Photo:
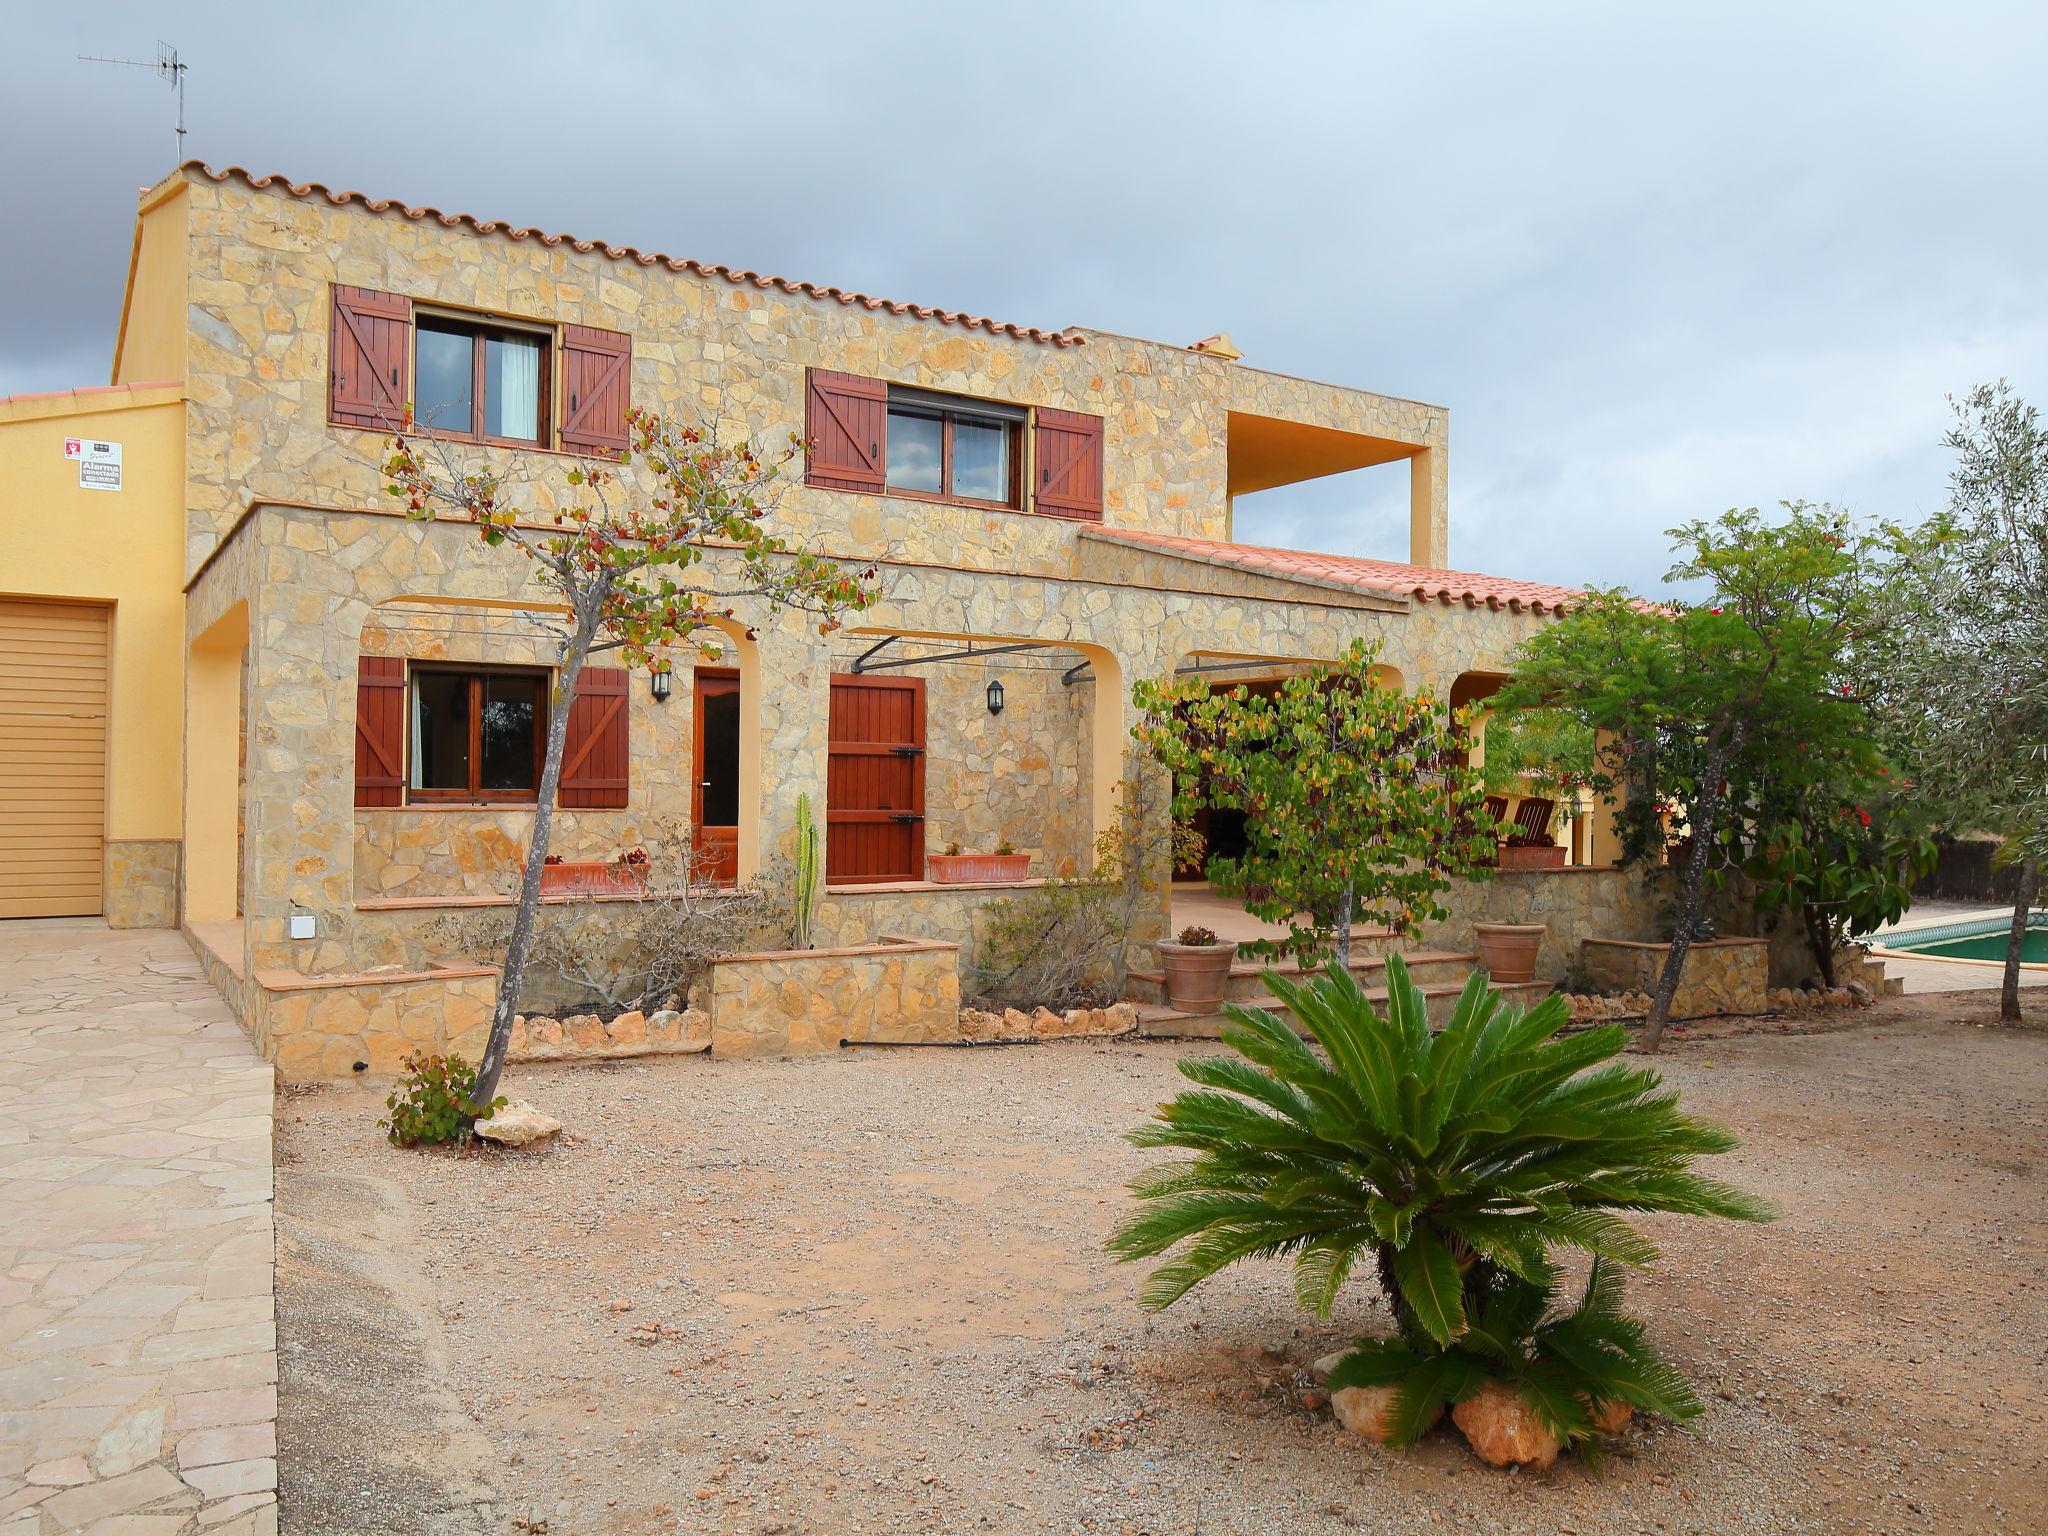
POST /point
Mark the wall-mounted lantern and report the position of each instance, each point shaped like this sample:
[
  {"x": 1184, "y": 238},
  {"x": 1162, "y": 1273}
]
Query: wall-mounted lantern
[
  {"x": 995, "y": 697},
  {"x": 661, "y": 682}
]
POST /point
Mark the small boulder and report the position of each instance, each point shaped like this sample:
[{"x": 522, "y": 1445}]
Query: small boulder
[
  {"x": 1369, "y": 1411},
  {"x": 1611, "y": 1415},
  {"x": 517, "y": 1124},
  {"x": 1502, "y": 1429},
  {"x": 1320, "y": 1371},
  {"x": 1859, "y": 994}
]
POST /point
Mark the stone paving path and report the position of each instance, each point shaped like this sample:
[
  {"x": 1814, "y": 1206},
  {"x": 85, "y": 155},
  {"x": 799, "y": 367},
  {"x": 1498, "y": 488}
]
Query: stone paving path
[{"x": 138, "y": 1333}]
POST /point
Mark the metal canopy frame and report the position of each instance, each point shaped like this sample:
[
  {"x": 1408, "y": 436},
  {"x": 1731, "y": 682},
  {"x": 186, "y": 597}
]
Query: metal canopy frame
[
  {"x": 1075, "y": 674},
  {"x": 865, "y": 661}
]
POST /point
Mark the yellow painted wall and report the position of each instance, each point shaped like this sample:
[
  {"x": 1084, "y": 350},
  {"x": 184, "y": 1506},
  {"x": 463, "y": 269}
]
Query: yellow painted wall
[
  {"x": 150, "y": 346},
  {"x": 121, "y": 547}
]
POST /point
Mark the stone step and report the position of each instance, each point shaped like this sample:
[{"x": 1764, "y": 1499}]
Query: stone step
[
  {"x": 1247, "y": 982},
  {"x": 1438, "y": 999}
]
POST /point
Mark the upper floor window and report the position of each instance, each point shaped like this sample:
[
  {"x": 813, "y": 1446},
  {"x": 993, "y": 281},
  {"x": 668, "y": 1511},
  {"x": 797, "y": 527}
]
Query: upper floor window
[
  {"x": 867, "y": 435},
  {"x": 963, "y": 450},
  {"x": 475, "y": 380},
  {"x": 520, "y": 383}
]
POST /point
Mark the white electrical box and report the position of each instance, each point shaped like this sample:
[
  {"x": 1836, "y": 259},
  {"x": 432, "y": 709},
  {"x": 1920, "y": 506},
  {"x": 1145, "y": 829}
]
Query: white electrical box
[{"x": 302, "y": 925}]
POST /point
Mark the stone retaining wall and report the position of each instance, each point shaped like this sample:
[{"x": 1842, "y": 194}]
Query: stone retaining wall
[
  {"x": 1721, "y": 976},
  {"x": 804, "y": 1001}
]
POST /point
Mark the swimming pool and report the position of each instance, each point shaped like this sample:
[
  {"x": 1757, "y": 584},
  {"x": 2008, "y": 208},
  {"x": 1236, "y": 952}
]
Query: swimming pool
[{"x": 1981, "y": 938}]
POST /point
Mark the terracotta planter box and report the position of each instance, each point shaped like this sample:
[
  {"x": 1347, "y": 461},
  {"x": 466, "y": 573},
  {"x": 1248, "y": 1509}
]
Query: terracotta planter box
[
  {"x": 977, "y": 868},
  {"x": 1196, "y": 974},
  {"x": 1507, "y": 951},
  {"x": 592, "y": 877},
  {"x": 1551, "y": 857}
]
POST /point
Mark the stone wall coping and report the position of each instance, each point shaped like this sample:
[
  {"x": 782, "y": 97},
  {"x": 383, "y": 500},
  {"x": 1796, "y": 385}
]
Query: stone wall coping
[
  {"x": 887, "y": 944},
  {"x": 452, "y": 903},
  {"x": 280, "y": 980},
  {"x": 925, "y": 887},
  {"x": 1729, "y": 943}
]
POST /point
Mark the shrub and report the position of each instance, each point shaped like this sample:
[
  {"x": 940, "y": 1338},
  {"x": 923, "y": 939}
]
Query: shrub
[
  {"x": 433, "y": 1102},
  {"x": 1195, "y": 936},
  {"x": 1456, "y": 1164},
  {"x": 638, "y": 948},
  {"x": 1064, "y": 944}
]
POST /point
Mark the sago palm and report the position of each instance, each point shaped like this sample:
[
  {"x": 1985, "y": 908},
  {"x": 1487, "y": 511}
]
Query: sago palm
[{"x": 1447, "y": 1160}]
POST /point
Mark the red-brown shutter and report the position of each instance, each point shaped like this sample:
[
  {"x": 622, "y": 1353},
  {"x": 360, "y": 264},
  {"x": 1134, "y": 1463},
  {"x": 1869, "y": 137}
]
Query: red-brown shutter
[
  {"x": 846, "y": 424},
  {"x": 1067, "y": 453},
  {"x": 597, "y": 388},
  {"x": 380, "y": 730},
  {"x": 368, "y": 336},
  {"x": 594, "y": 758}
]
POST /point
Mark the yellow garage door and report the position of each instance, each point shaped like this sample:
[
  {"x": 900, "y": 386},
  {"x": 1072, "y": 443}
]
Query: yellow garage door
[{"x": 53, "y": 757}]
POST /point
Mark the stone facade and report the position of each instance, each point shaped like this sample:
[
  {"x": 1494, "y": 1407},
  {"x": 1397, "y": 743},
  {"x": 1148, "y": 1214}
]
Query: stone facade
[
  {"x": 142, "y": 883},
  {"x": 803, "y": 1002},
  {"x": 295, "y": 547},
  {"x": 1721, "y": 976},
  {"x": 586, "y": 1037}
]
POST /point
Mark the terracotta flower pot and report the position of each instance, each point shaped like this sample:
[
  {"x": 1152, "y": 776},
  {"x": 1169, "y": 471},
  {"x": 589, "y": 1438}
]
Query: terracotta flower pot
[
  {"x": 1541, "y": 856},
  {"x": 1507, "y": 951},
  {"x": 1195, "y": 974},
  {"x": 591, "y": 877},
  {"x": 976, "y": 868}
]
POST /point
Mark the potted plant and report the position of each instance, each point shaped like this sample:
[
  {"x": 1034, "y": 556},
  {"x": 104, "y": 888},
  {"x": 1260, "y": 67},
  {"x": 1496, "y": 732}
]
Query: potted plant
[
  {"x": 1197, "y": 966},
  {"x": 1507, "y": 951},
  {"x": 625, "y": 873},
  {"x": 1002, "y": 867},
  {"x": 1522, "y": 851}
]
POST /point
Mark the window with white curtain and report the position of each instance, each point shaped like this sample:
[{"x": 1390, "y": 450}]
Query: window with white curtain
[{"x": 481, "y": 381}]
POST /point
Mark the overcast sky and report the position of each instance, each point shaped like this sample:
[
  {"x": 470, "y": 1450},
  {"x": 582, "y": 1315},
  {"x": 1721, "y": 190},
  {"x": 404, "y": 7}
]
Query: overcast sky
[{"x": 1655, "y": 264}]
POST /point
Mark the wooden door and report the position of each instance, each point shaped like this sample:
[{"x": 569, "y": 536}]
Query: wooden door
[
  {"x": 874, "y": 781},
  {"x": 53, "y": 758},
  {"x": 715, "y": 784}
]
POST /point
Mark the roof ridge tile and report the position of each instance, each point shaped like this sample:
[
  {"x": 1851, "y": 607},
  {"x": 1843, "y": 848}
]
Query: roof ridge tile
[{"x": 739, "y": 277}]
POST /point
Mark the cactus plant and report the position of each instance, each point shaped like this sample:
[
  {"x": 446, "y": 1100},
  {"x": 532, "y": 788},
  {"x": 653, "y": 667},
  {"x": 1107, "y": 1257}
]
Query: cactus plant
[{"x": 807, "y": 871}]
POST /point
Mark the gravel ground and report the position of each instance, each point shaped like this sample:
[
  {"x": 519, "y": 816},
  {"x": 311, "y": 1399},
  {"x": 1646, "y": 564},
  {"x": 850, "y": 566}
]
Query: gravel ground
[{"x": 867, "y": 1293}]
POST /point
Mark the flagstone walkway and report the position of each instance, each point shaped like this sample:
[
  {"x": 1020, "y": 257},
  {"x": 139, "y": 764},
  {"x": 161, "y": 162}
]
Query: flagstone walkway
[{"x": 138, "y": 1335}]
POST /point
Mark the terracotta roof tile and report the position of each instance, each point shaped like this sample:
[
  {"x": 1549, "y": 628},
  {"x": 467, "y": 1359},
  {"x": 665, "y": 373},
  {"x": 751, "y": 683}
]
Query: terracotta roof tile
[
  {"x": 738, "y": 277},
  {"x": 1387, "y": 577}
]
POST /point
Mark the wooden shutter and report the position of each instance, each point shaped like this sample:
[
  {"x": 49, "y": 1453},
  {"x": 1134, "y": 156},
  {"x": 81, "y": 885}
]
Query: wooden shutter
[
  {"x": 380, "y": 730},
  {"x": 846, "y": 424},
  {"x": 1067, "y": 459},
  {"x": 597, "y": 388},
  {"x": 594, "y": 759},
  {"x": 368, "y": 336},
  {"x": 874, "y": 780}
]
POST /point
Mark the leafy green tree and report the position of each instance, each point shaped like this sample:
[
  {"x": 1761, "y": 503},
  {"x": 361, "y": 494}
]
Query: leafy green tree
[
  {"x": 621, "y": 560},
  {"x": 1543, "y": 752},
  {"x": 1962, "y": 667},
  {"x": 1841, "y": 857},
  {"x": 1708, "y": 705},
  {"x": 1456, "y": 1164},
  {"x": 1358, "y": 804}
]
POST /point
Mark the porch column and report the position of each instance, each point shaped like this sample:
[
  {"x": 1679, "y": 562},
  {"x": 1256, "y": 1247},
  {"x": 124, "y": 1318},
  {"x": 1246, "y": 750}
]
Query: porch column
[
  {"x": 1603, "y": 838},
  {"x": 787, "y": 672}
]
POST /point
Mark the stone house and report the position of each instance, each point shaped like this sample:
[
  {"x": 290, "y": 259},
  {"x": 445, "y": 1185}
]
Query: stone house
[{"x": 350, "y": 739}]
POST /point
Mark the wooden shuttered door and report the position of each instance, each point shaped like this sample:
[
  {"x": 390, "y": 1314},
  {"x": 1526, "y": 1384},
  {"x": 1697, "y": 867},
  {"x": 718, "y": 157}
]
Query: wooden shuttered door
[
  {"x": 874, "y": 781},
  {"x": 846, "y": 425},
  {"x": 380, "y": 730},
  {"x": 53, "y": 758},
  {"x": 597, "y": 387},
  {"x": 368, "y": 338},
  {"x": 595, "y": 768},
  {"x": 1066, "y": 454}
]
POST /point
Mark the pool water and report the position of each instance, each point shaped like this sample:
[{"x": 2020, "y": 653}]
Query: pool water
[
  {"x": 1980, "y": 938},
  {"x": 1988, "y": 946}
]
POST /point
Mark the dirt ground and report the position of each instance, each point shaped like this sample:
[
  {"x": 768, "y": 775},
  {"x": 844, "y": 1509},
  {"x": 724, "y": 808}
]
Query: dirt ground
[{"x": 868, "y": 1294}]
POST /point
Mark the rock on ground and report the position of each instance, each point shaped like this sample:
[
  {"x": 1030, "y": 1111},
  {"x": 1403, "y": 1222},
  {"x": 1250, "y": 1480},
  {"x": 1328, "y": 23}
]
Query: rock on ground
[
  {"x": 1503, "y": 1430},
  {"x": 518, "y": 1124}
]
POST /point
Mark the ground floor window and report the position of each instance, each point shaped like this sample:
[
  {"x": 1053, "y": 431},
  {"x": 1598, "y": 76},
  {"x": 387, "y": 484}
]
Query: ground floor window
[{"x": 476, "y": 734}]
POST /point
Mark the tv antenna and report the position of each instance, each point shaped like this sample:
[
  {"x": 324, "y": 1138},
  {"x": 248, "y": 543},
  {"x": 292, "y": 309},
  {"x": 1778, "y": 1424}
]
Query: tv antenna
[{"x": 169, "y": 67}]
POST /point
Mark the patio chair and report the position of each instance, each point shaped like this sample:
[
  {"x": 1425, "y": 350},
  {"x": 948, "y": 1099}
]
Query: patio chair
[{"x": 1532, "y": 819}]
